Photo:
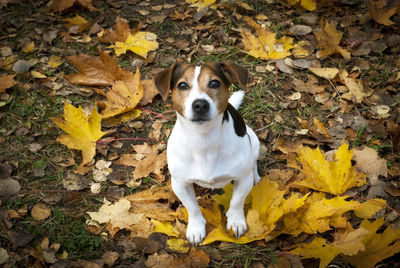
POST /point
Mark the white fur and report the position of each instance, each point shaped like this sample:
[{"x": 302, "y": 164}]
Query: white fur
[
  {"x": 236, "y": 99},
  {"x": 211, "y": 155}
]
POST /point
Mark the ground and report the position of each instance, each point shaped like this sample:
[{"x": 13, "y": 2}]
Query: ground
[{"x": 29, "y": 150}]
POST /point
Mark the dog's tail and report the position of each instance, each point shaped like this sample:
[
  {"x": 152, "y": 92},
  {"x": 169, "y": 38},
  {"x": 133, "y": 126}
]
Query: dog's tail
[{"x": 236, "y": 99}]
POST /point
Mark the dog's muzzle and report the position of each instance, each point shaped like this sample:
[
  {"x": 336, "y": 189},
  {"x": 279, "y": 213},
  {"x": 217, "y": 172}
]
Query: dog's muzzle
[{"x": 201, "y": 110}]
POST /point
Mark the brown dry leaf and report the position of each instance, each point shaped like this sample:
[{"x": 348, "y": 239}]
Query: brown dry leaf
[
  {"x": 369, "y": 162},
  {"x": 155, "y": 132},
  {"x": 158, "y": 261},
  {"x": 149, "y": 92},
  {"x": 329, "y": 40},
  {"x": 146, "y": 161},
  {"x": 196, "y": 258},
  {"x": 6, "y": 81},
  {"x": 119, "y": 33},
  {"x": 379, "y": 13},
  {"x": 97, "y": 71},
  {"x": 61, "y": 5},
  {"x": 311, "y": 86},
  {"x": 153, "y": 194},
  {"x": 181, "y": 16},
  {"x": 40, "y": 211},
  {"x": 356, "y": 88},
  {"x": 123, "y": 97}
]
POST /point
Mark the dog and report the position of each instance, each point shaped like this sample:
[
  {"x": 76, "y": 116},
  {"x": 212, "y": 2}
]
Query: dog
[{"x": 210, "y": 144}]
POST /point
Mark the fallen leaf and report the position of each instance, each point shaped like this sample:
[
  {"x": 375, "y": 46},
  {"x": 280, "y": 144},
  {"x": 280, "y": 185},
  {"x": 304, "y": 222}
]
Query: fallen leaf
[
  {"x": 333, "y": 177},
  {"x": 379, "y": 13},
  {"x": 140, "y": 43},
  {"x": 82, "y": 131},
  {"x": 55, "y": 61},
  {"x": 77, "y": 24},
  {"x": 9, "y": 187},
  {"x": 116, "y": 216},
  {"x": 378, "y": 246},
  {"x": 328, "y": 40},
  {"x": 369, "y": 162},
  {"x": 178, "y": 245},
  {"x": 97, "y": 71},
  {"x": 265, "y": 46},
  {"x": 201, "y": 4},
  {"x": 61, "y": 5},
  {"x": 309, "y": 5},
  {"x": 158, "y": 261},
  {"x": 110, "y": 257},
  {"x": 369, "y": 208},
  {"x": 119, "y": 32},
  {"x": 146, "y": 161},
  {"x": 29, "y": 47},
  {"x": 356, "y": 88},
  {"x": 311, "y": 86},
  {"x": 123, "y": 97},
  {"x": 347, "y": 243},
  {"x": 36, "y": 74},
  {"x": 6, "y": 81},
  {"x": 40, "y": 211},
  {"x": 327, "y": 73}
]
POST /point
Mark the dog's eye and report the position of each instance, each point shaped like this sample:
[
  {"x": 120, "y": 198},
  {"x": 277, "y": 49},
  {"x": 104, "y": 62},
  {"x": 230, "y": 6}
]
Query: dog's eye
[
  {"x": 183, "y": 86},
  {"x": 214, "y": 84}
]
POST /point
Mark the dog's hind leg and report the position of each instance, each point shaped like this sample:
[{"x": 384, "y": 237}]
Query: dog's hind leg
[{"x": 196, "y": 229}]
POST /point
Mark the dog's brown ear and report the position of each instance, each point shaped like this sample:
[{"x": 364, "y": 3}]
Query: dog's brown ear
[
  {"x": 235, "y": 73},
  {"x": 163, "y": 80}
]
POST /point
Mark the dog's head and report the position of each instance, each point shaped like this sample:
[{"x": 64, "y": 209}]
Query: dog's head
[{"x": 200, "y": 92}]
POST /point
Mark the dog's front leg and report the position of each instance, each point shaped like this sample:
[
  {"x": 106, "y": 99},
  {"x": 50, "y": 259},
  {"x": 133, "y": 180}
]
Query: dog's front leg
[
  {"x": 235, "y": 215},
  {"x": 196, "y": 229}
]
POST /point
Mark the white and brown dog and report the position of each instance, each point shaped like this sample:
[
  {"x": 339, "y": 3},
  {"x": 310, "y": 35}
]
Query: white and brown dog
[{"x": 210, "y": 144}]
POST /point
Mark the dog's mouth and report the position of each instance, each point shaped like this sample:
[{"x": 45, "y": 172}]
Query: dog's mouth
[{"x": 200, "y": 120}]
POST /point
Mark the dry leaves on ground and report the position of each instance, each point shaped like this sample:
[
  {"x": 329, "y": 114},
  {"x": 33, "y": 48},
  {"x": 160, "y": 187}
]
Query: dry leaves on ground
[
  {"x": 329, "y": 40},
  {"x": 379, "y": 13},
  {"x": 61, "y": 5},
  {"x": 6, "y": 81}
]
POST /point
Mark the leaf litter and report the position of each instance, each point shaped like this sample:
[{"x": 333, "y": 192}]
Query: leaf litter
[{"x": 347, "y": 186}]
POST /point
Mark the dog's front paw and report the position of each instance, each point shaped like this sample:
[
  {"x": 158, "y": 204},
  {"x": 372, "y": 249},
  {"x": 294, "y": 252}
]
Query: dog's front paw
[
  {"x": 196, "y": 230},
  {"x": 236, "y": 221}
]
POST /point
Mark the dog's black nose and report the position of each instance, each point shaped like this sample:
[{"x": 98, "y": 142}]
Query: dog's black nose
[{"x": 200, "y": 106}]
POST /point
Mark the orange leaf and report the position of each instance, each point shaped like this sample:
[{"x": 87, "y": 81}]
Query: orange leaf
[
  {"x": 6, "y": 81},
  {"x": 97, "y": 71},
  {"x": 123, "y": 97}
]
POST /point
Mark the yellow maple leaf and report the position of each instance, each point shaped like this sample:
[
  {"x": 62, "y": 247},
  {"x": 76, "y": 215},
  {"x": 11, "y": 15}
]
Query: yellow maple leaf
[
  {"x": 378, "y": 246},
  {"x": 140, "y": 43},
  {"x": 265, "y": 46},
  {"x": 200, "y": 4},
  {"x": 346, "y": 243},
  {"x": 164, "y": 228},
  {"x": 82, "y": 131},
  {"x": 77, "y": 24},
  {"x": 333, "y": 177},
  {"x": 379, "y": 13},
  {"x": 178, "y": 245},
  {"x": 123, "y": 97},
  {"x": 328, "y": 40}
]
